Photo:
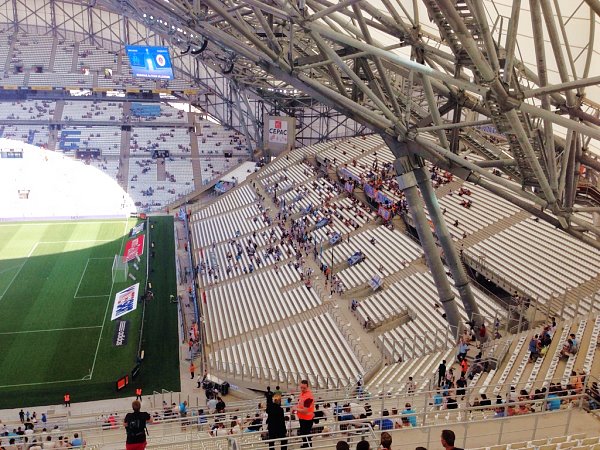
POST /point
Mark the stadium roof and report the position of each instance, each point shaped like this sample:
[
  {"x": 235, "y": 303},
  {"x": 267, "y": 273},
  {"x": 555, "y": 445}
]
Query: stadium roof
[
  {"x": 407, "y": 69},
  {"x": 520, "y": 77}
]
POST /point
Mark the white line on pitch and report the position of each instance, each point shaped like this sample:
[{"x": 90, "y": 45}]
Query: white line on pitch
[
  {"x": 84, "y": 378},
  {"x": 93, "y": 296},
  {"x": 45, "y": 224},
  {"x": 49, "y": 329},
  {"x": 10, "y": 268},
  {"x": 81, "y": 278},
  {"x": 108, "y": 302},
  {"x": 32, "y": 250},
  {"x": 18, "y": 271},
  {"x": 76, "y": 242}
]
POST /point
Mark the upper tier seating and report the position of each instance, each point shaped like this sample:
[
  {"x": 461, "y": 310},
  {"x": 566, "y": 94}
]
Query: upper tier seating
[
  {"x": 31, "y": 52},
  {"x": 93, "y": 111},
  {"x": 144, "y": 140},
  {"x": 537, "y": 272},
  {"x": 39, "y": 110},
  {"x": 105, "y": 139}
]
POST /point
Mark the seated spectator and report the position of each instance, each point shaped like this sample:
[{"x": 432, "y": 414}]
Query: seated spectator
[
  {"x": 77, "y": 441},
  {"x": 568, "y": 349},
  {"x": 410, "y": 415},
  {"x": 534, "y": 348},
  {"x": 384, "y": 423},
  {"x": 553, "y": 402},
  {"x": 386, "y": 441}
]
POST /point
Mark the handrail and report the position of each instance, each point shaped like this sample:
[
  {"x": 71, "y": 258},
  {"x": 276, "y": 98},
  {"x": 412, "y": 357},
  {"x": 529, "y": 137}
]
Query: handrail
[
  {"x": 362, "y": 429},
  {"x": 422, "y": 402}
]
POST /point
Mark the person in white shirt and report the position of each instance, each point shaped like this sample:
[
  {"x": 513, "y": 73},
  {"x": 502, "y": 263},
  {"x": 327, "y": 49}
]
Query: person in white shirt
[{"x": 49, "y": 443}]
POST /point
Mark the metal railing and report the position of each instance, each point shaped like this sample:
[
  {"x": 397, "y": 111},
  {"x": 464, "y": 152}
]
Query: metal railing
[{"x": 170, "y": 428}]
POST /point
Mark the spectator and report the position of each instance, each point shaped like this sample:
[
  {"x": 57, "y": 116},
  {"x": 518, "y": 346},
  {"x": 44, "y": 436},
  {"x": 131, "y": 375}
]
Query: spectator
[
  {"x": 342, "y": 445},
  {"x": 448, "y": 439},
  {"x": 135, "y": 425},
  {"x": 276, "y": 422},
  {"x": 385, "y": 423},
  {"x": 410, "y": 415},
  {"x": 363, "y": 445},
  {"x": 386, "y": 441},
  {"x": 441, "y": 372},
  {"x": 78, "y": 442}
]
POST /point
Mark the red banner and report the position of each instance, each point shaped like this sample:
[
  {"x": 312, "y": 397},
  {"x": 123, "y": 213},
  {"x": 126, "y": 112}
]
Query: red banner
[{"x": 134, "y": 248}]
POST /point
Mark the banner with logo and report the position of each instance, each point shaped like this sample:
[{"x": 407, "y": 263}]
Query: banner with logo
[
  {"x": 137, "y": 229},
  {"x": 370, "y": 191},
  {"x": 121, "y": 333},
  {"x": 278, "y": 131},
  {"x": 125, "y": 301},
  {"x": 134, "y": 248},
  {"x": 382, "y": 198},
  {"x": 384, "y": 213}
]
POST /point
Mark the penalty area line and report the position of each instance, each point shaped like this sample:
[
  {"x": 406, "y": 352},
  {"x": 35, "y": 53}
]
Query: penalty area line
[
  {"x": 81, "y": 278},
  {"x": 41, "y": 383},
  {"x": 49, "y": 330},
  {"x": 19, "y": 271}
]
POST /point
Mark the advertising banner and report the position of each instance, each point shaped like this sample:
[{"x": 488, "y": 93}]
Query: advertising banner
[
  {"x": 125, "y": 301},
  {"x": 278, "y": 131},
  {"x": 370, "y": 191},
  {"x": 134, "y": 248},
  {"x": 121, "y": 333},
  {"x": 384, "y": 213},
  {"x": 137, "y": 229}
]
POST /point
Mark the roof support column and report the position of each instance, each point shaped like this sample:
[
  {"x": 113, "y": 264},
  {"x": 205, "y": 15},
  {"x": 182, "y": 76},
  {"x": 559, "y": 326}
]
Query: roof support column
[
  {"x": 407, "y": 166},
  {"x": 445, "y": 239}
]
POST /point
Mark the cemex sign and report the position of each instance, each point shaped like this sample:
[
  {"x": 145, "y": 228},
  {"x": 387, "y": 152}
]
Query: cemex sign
[{"x": 121, "y": 332}]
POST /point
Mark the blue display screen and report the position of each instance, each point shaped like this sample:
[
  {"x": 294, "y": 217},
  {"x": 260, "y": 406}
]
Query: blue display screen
[{"x": 150, "y": 62}]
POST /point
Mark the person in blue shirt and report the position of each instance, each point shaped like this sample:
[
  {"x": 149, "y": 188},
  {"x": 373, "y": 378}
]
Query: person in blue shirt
[
  {"x": 384, "y": 423},
  {"x": 553, "y": 402},
  {"x": 411, "y": 416},
  {"x": 438, "y": 400}
]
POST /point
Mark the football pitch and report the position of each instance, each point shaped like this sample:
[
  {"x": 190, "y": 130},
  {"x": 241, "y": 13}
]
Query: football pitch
[{"x": 56, "y": 299}]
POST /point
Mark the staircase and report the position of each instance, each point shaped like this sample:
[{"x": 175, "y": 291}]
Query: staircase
[
  {"x": 195, "y": 156},
  {"x": 123, "y": 174},
  {"x": 75, "y": 58},
  {"x": 525, "y": 174},
  {"x": 501, "y": 123},
  {"x": 482, "y": 147},
  {"x": 448, "y": 34},
  {"x": 492, "y": 229}
]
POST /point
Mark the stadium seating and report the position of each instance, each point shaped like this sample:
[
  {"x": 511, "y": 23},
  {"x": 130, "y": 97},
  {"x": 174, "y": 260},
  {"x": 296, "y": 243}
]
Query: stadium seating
[
  {"x": 537, "y": 272},
  {"x": 295, "y": 351},
  {"x": 92, "y": 111}
]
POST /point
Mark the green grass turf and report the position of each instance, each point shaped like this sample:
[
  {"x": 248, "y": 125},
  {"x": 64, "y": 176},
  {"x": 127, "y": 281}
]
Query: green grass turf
[{"x": 56, "y": 297}]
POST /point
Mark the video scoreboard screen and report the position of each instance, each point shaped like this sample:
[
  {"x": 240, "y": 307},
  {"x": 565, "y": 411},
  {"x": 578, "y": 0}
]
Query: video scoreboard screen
[{"x": 150, "y": 62}]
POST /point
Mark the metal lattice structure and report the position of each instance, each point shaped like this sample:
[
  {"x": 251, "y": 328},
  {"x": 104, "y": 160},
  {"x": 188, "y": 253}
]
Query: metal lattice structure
[
  {"x": 223, "y": 97},
  {"x": 515, "y": 83},
  {"x": 401, "y": 70}
]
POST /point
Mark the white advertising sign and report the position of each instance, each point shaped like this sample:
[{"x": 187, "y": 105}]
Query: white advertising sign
[{"x": 278, "y": 131}]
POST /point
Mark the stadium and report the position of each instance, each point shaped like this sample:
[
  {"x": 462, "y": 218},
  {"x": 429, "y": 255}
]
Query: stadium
[{"x": 206, "y": 202}]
